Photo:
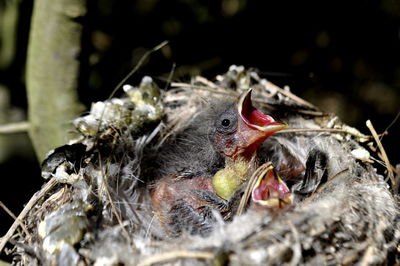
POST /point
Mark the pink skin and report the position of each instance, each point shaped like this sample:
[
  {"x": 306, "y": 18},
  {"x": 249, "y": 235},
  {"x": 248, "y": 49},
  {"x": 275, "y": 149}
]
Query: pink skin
[
  {"x": 271, "y": 191},
  {"x": 254, "y": 127},
  {"x": 269, "y": 187},
  {"x": 256, "y": 119}
]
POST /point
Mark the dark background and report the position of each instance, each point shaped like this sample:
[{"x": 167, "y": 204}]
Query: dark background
[{"x": 343, "y": 56}]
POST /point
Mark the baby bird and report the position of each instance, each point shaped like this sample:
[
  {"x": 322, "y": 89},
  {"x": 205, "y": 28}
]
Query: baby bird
[{"x": 206, "y": 164}]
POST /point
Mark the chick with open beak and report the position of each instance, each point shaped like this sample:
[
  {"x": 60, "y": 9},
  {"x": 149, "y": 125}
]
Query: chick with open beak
[
  {"x": 190, "y": 183},
  {"x": 237, "y": 134},
  {"x": 269, "y": 190}
]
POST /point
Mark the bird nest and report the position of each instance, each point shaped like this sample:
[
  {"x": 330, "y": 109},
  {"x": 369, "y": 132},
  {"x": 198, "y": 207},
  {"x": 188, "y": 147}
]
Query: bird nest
[{"x": 96, "y": 206}]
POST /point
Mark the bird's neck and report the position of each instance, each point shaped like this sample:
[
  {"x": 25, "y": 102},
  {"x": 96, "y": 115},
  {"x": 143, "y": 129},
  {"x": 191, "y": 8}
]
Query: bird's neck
[{"x": 241, "y": 158}]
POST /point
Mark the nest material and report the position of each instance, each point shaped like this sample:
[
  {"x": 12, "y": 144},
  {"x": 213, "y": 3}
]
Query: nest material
[{"x": 97, "y": 209}]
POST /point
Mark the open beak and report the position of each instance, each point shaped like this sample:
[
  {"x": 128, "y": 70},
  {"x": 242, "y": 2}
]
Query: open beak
[
  {"x": 253, "y": 126},
  {"x": 270, "y": 191},
  {"x": 254, "y": 118}
]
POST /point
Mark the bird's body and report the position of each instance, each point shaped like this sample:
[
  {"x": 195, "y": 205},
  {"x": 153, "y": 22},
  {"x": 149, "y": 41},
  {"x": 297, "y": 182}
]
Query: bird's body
[
  {"x": 186, "y": 164},
  {"x": 207, "y": 163},
  {"x": 181, "y": 204}
]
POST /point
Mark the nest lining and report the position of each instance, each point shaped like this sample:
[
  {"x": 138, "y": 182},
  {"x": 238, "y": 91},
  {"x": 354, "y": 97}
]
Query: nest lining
[{"x": 97, "y": 207}]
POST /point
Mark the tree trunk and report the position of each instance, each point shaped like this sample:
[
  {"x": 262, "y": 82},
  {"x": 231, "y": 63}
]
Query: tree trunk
[{"x": 53, "y": 70}]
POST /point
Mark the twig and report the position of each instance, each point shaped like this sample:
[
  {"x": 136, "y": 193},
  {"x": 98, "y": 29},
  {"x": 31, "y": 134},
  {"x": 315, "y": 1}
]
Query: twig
[
  {"x": 349, "y": 259},
  {"x": 313, "y": 113},
  {"x": 35, "y": 198},
  {"x": 17, "y": 127},
  {"x": 290, "y": 95},
  {"x": 209, "y": 83},
  {"x": 312, "y": 196},
  {"x": 212, "y": 87},
  {"x": 391, "y": 166},
  {"x": 175, "y": 254},
  {"x": 113, "y": 207},
  {"x": 330, "y": 130},
  {"x": 184, "y": 85},
  {"x": 170, "y": 75},
  {"x": 127, "y": 77},
  {"x": 296, "y": 246},
  {"x": 9, "y": 212},
  {"x": 137, "y": 66},
  {"x": 392, "y": 123},
  {"x": 249, "y": 188},
  {"x": 384, "y": 155},
  {"x": 366, "y": 260}
]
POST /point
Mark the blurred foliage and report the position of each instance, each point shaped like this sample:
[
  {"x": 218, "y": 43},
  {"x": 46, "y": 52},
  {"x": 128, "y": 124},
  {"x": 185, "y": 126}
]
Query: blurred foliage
[
  {"x": 8, "y": 31},
  {"x": 53, "y": 72},
  {"x": 10, "y": 145}
]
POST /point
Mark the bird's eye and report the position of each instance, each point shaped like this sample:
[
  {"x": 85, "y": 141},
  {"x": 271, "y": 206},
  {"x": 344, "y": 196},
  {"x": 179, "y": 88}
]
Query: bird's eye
[{"x": 225, "y": 122}]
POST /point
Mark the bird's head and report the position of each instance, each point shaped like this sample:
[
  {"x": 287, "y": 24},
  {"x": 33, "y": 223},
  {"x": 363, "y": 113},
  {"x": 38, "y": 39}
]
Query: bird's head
[
  {"x": 270, "y": 190},
  {"x": 240, "y": 130}
]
